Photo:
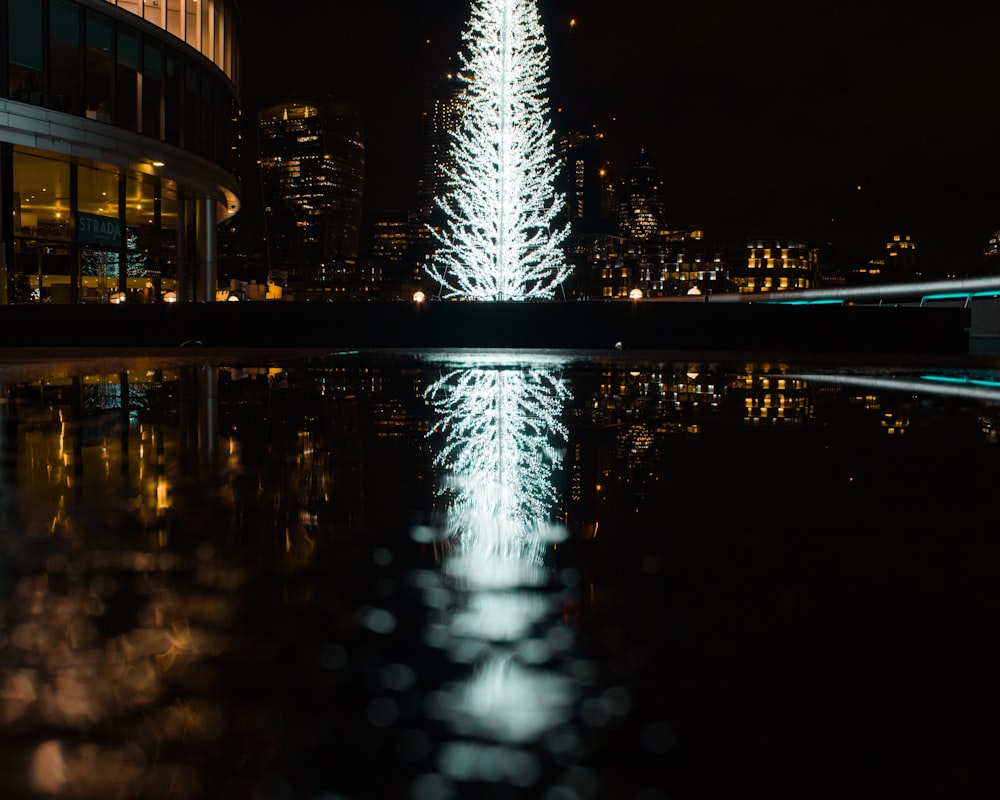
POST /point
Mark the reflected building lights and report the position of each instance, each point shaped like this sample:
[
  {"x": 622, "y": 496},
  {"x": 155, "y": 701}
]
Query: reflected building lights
[{"x": 164, "y": 531}]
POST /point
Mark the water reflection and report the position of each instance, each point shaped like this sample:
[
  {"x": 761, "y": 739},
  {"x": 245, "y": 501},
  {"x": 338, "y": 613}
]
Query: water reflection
[
  {"x": 636, "y": 579},
  {"x": 500, "y": 444},
  {"x": 138, "y": 506},
  {"x": 94, "y": 627}
]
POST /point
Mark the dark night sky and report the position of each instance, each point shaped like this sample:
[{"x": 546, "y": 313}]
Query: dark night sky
[{"x": 763, "y": 118}]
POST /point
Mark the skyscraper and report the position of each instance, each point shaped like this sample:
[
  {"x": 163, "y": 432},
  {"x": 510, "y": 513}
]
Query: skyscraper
[
  {"x": 642, "y": 211},
  {"x": 442, "y": 117},
  {"x": 312, "y": 167},
  {"x": 583, "y": 180}
]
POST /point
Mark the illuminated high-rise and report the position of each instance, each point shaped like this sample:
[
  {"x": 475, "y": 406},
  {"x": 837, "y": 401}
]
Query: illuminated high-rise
[
  {"x": 442, "y": 117},
  {"x": 642, "y": 210},
  {"x": 312, "y": 167}
]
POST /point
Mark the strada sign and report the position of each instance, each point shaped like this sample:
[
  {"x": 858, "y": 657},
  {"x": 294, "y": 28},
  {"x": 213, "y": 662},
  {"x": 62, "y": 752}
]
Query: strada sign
[{"x": 94, "y": 229}]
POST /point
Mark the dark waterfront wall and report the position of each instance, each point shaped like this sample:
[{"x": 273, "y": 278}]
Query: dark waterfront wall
[{"x": 573, "y": 325}]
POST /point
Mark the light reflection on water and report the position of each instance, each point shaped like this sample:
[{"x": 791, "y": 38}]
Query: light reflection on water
[
  {"x": 410, "y": 576},
  {"x": 502, "y": 439}
]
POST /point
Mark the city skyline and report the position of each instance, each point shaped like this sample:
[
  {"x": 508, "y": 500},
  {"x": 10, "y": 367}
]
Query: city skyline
[{"x": 761, "y": 121}]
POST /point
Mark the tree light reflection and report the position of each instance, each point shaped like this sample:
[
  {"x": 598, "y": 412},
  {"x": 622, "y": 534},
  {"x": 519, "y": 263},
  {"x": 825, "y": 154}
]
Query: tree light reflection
[{"x": 500, "y": 434}]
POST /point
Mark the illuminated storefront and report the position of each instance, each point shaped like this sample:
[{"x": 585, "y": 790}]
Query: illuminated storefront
[{"x": 118, "y": 131}]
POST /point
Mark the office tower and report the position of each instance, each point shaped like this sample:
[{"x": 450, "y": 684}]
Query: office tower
[
  {"x": 312, "y": 169},
  {"x": 396, "y": 240},
  {"x": 442, "y": 116},
  {"x": 642, "y": 209},
  {"x": 583, "y": 180},
  {"x": 116, "y": 149}
]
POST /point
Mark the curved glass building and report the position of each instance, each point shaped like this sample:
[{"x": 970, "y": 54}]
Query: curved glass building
[{"x": 118, "y": 135}]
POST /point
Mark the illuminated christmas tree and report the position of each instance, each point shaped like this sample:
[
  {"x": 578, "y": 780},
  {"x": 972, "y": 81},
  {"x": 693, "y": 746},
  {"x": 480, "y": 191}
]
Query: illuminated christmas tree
[{"x": 501, "y": 240}]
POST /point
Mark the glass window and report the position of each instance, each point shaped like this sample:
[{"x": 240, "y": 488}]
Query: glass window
[
  {"x": 227, "y": 41},
  {"x": 233, "y": 43},
  {"x": 175, "y": 20},
  {"x": 153, "y": 11},
  {"x": 220, "y": 50},
  {"x": 191, "y": 107},
  {"x": 25, "y": 51},
  {"x": 192, "y": 28},
  {"x": 140, "y": 220},
  {"x": 97, "y": 193},
  {"x": 65, "y": 64},
  {"x": 169, "y": 225},
  {"x": 41, "y": 197},
  {"x": 226, "y": 126},
  {"x": 152, "y": 88},
  {"x": 129, "y": 49},
  {"x": 173, "y": 85},
  {"x": 100, "y": 66},
  {"x": 98, "y": 231},
  {"x": 207, "y": 40},
  {"x": 206, "y": 141},
  {"x": 140, "y": 209}
]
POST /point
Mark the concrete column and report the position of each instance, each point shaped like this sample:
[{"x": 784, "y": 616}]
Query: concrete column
[
  {"x": 205, "y": 231},
  {"x": 185, "y": 278}
]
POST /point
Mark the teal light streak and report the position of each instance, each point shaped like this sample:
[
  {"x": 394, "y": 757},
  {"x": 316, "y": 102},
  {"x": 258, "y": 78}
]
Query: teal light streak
[
  {"x": 958, "y": 295},
  {"x": 965, "y": 381},
  {"x": 808, "y": 302}
]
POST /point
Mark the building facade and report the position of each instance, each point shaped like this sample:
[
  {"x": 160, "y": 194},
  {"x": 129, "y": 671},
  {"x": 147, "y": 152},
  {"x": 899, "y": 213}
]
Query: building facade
[
  {"x": 398, "y": 241},
  {"x": 118, "y": 136},
  {"x": 612, "y": 267},
  {"x": 312, "y": 167},
  {"x": 583, "y": 181},
  {"x": 775, "y": 265}
]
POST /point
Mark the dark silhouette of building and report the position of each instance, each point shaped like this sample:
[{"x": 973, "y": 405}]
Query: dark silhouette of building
[
  {"x": 312, "y": 168},
  {"x": 398, "y": 239},
  {"x": 583, "y": 182}
]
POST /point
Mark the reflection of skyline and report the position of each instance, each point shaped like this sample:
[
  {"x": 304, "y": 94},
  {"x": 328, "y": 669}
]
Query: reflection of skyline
[
  {"x": 119, "y": 534},
  {"x": 222, "y": 532}
]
